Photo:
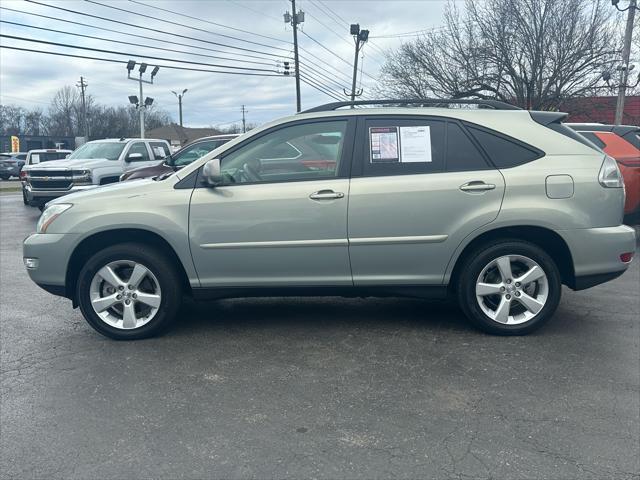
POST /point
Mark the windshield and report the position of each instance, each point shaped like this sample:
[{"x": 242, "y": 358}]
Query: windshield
[{"x": 108, "y": 150}]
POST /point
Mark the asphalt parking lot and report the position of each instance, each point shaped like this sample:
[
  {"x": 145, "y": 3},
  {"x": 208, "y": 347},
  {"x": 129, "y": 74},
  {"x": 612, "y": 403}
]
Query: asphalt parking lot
[{"x": 322, "y": 388}]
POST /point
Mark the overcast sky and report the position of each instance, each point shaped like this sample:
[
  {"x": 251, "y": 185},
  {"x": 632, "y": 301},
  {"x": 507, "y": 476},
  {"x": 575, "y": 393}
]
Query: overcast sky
[{"x": 31, "y": 79}]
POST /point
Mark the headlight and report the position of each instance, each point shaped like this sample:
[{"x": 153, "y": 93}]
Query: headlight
[
  {"x": 50, "y": 214},
  {"x": 82, "y": 176}
]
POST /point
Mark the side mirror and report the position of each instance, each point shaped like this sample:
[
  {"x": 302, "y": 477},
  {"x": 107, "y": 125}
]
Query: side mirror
[
  {"x": 133, "y": 157},
  {"x": 212, "y": 173}
]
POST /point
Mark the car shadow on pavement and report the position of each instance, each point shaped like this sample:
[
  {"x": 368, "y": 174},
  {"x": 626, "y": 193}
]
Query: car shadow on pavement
[{"x": 327, "y": 312}]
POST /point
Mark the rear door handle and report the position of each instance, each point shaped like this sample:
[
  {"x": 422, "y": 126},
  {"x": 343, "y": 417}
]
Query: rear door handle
[
  {"x": 477, "y": 186},
  {"x": 326, "y": 195}
]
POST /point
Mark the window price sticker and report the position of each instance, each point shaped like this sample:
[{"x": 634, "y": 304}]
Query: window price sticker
[
  {"x": 384, "y": 144},
  {"x": 400, "y": 144}
]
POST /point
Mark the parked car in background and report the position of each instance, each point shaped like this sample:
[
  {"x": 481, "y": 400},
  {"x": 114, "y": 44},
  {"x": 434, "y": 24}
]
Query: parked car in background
[
  {"x": 36, "y": 157},
  {"x": 181, "y": 158},
  {"x": 11, "y": 163},
  {"x": 95, "y": 163},
  {"x": 622, "y": 142},
  {"x": 495, "y": 206}
]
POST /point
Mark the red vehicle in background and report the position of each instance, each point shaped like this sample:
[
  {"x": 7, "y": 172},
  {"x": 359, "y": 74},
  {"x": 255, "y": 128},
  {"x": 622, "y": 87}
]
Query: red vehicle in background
[{"x": 621, "y": 142}]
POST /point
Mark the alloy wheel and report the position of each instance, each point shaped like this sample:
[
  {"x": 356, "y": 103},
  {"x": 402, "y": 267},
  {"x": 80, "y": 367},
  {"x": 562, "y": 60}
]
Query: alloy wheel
[
  {"x": 512, "y": 289},
  {"x": 125, "y": 294}
]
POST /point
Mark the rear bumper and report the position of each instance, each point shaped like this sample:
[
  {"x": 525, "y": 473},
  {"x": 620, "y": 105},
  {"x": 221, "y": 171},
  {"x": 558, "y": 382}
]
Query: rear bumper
[{"x": 596, "y": 253}]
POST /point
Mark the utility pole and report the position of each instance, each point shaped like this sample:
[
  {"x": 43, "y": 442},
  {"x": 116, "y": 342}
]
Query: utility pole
[
  {"x": 244, "y": 123},
  {"x": 82, "y": 85},
  {"x": 180, "y": 95},
  {"x": 139, "y": 103},
  {"x": 626, "y": 53},
  {"x": 294, "y": 19},
  {"x": 360, "y": 37}
]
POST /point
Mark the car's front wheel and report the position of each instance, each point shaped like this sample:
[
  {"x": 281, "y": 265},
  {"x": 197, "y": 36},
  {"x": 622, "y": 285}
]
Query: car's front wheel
[
  {"x": 509, "y": 288},
  {"x": 129, "y": 291}
]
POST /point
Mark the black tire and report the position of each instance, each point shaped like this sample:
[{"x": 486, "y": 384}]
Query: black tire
[
  {"x": 154, "y": 260},
  {"x": 24, "y": 197},
  {"x": 483, "y": 256},
  {"x": 5, "y": 177}
]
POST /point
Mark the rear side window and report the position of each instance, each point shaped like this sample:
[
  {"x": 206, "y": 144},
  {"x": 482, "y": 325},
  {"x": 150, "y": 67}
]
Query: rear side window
[
  {"x": 462, "y": 154},
  {"x": 401, "y": 146},
  {"x": 504, "y": 152},
  {"x": 160, "y": 150}
]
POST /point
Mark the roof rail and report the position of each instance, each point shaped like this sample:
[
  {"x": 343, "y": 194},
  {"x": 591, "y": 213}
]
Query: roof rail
[{"x": 417, "y": 102}]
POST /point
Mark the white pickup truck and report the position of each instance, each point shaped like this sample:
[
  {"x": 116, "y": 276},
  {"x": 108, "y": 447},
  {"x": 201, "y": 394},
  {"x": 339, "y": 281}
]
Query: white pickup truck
[{"x": 95, "y": 163}]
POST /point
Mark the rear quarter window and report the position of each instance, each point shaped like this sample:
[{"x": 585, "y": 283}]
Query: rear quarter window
[
  {"x": 503, "y": 151},
  {"x": 462, "y": 154}
]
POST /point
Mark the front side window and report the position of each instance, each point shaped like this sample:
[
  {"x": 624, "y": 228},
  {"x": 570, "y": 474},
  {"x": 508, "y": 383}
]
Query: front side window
[
  {"x": 106, "y": 150},
  {"x": 141, "y": 148},
  {"x": 190, "y": 153},
  {"x": 310, "y": 151}
]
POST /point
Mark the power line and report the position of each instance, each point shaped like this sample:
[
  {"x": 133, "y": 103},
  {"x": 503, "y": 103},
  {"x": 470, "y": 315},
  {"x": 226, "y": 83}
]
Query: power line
[
  {"x": 326, "y": 64},
  {"x": 173, "y": 34},
  {"x": 182, "y": 25},
  {"x": 332, "y": 52},
  {"x": 322, "y": 75},
  {"x": 128, "y": 54},
  {"x": 210, "y": 22},
  {"x": 262, "y": 14},
  {"x": 312, "y": 84},
  {"x": 327, "y": 26},
  {"x": 333, "y": 12},
  {"x": 198, "y": 47},
  {"x": 112, "y": 60},
  {"x": 133, "y": 44}
]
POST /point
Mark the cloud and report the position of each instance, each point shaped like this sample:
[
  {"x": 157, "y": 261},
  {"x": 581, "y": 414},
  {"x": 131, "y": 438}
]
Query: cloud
[{"x": 31, "y": 79}]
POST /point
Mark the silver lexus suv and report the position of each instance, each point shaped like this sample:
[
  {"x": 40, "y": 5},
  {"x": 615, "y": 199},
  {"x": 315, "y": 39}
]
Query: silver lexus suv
[{"x": 495, "y": 206}]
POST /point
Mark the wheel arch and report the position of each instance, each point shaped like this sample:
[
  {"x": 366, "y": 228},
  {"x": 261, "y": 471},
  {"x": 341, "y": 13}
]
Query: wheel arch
[
  {"x": 545, "y": 238},
  {"x": 97, "y": 241}
]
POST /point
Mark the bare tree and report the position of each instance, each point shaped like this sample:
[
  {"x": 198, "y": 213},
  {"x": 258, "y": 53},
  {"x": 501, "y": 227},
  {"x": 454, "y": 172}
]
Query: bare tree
[{"x": 532, "y": 53}]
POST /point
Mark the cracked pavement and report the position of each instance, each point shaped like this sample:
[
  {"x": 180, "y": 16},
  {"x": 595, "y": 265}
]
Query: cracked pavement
[{"x": 316, "y": 388}]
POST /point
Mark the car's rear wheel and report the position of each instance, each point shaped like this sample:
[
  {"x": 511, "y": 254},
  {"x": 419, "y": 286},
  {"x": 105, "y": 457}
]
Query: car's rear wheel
[
  {"x": 129, "y": 291},
  {"x": 24, "y": 197},
  {"x": 509, "y": 288}
]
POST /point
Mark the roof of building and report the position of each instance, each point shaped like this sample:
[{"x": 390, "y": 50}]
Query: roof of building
[{"x": 174, "y": 132}]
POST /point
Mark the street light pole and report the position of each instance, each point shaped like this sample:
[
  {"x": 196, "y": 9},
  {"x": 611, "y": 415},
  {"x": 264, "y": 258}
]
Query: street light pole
[
  {"x": 180, "y": 95},
  {"x": 626, "y": 53},
  {"x": 360, "y": 37},
  {"x": 142, "y": 103}
]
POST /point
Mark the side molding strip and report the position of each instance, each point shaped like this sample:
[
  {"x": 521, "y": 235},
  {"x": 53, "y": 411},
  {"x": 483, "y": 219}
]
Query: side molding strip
[{"x": 332, "y": 242}]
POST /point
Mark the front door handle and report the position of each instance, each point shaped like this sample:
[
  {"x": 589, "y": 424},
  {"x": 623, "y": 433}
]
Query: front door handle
[
  {"x": 477, "y": 186},
  {"x": 326, "y": 195}
]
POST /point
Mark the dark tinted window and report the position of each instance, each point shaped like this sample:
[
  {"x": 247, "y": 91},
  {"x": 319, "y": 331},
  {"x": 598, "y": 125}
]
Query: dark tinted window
[
  {"x": 387, "y": 154},
  {"x": 504, "y": 152},
  {"x": 593, "y": 138},
  {"x": 462, "y": 154}
]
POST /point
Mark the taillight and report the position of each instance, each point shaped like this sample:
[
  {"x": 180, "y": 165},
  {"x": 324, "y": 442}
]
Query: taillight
[
  {"x": 23, "y": 174},
  {"x": 610, "y": 176},
  {"x": 626, "y": 257}
]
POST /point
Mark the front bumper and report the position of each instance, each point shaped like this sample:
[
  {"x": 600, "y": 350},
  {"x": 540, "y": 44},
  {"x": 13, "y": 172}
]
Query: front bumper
[
  {"x": 53, "y": 251},
  {"x": 596, "y": 253},
  {"x": 40, "y": 197}
]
